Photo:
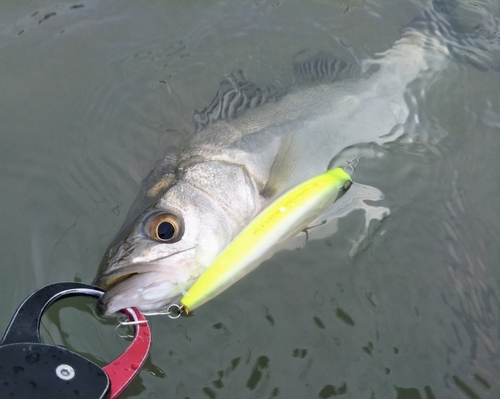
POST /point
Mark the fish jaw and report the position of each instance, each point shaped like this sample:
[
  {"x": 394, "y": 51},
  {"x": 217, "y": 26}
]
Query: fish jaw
[
  {"x": 145, "y": 291},
  {"x": 147, "y": 285}
]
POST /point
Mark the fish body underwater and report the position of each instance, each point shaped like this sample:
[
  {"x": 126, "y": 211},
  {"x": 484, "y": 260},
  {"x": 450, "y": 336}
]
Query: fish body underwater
[{"x": 192, "y": 205}]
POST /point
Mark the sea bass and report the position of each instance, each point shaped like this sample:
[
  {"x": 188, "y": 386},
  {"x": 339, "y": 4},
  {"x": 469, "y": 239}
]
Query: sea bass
[{"x": 193, "y": 205}]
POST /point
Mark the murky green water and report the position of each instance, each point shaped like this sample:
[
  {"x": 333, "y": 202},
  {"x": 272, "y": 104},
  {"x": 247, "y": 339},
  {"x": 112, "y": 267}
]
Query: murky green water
[{"x": 92, "y": 94}]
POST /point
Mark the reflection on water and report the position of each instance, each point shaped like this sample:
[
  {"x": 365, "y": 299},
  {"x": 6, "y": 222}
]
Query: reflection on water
[{"x": 92, "y": 94}]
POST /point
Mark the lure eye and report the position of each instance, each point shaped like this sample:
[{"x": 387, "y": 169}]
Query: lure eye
[{"x": 164, "y": 227}]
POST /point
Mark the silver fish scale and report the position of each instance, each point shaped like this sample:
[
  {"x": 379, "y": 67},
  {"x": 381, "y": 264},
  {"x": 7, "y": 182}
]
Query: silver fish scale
[{"x": 218, "y": 179}]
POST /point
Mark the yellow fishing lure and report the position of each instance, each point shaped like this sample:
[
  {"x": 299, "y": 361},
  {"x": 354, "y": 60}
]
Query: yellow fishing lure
[{"x": 267, "y": 232}]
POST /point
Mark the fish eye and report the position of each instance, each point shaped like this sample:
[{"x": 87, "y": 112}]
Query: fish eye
[{"x": 164, "y": 227}]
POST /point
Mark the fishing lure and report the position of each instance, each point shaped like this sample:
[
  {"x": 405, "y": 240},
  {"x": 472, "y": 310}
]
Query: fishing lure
[{"x": 267, "y": 232}]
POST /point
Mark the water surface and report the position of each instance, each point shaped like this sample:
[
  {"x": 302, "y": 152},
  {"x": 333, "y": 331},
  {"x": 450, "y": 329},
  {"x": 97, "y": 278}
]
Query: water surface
[{"x": 93, "y": 93}]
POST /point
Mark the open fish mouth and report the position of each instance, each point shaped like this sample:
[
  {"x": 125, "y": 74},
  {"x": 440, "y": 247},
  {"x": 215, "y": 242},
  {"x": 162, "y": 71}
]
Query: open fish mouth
[
  {"x": 149, "y": 289},
  {"x": 147, "y": 285},
  {"x": 111, "y": 279},
  {"x": 107, "y": 282},
  {"x": 125, "y": 293}
]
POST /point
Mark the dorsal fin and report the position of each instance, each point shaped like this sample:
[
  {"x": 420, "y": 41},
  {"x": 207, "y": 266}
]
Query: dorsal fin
[
  {"x": 236, "y": 94},
  {"x": 321, "y": 68}
]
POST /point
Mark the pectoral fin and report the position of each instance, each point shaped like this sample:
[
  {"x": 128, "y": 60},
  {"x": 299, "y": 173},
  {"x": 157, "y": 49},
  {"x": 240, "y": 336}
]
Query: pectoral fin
[{"x": 281, "y": 167}]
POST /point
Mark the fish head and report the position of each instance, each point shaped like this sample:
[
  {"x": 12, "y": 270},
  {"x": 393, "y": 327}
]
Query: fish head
[{"x": 157, "y": 257}]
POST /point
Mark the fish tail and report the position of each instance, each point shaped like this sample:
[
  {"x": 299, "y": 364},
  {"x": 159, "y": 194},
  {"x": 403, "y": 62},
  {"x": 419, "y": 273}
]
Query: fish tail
[{"x": 468, "y": 32}]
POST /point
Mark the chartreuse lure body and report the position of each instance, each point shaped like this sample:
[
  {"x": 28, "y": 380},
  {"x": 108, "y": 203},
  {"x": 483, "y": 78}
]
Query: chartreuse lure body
[{"x": 267, "y": 232}]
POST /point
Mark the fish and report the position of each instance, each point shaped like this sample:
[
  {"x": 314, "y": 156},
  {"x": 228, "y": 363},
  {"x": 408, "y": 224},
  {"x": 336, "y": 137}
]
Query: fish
[
  {"x": 276, "y": 224},
  {"x": 252, "y": 145}
]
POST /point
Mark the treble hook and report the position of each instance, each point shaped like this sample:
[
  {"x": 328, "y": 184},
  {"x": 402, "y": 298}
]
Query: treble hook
[
  {"x": 351, "y": 164},
  {"x": 125, "y": 321}
]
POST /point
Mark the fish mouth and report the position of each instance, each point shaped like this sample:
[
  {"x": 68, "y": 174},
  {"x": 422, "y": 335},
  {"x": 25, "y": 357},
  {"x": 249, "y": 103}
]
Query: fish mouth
[
  {"x": 107, "y": 282},
  {"x": 148, "y": 286},
  {"x": 121, "y": 271},
  {"x": 148, "y": 291},
  {"x": 111, "y": 279}
]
